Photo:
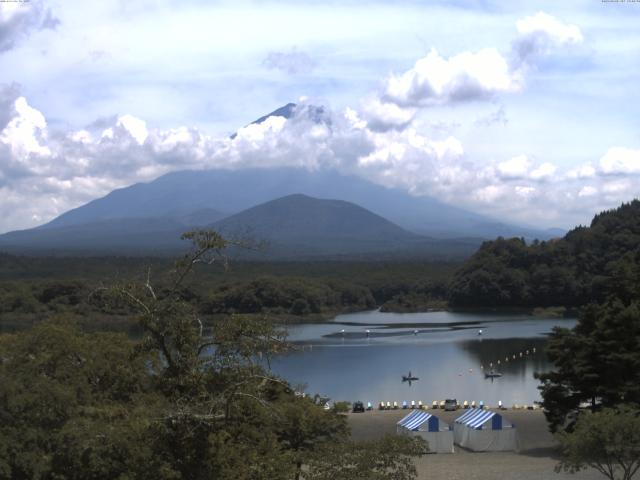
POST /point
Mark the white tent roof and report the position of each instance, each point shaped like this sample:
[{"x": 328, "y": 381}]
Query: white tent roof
[
  {"x": 415, "y": 419},
  {"x": 475, "y": 418}
]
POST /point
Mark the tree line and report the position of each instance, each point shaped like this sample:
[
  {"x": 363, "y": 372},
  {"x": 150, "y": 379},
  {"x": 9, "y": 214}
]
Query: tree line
[
  {"x": 285, "y": 291},
  {"x": 179, "y": 403},
  {"x": 591, "y": 397},
  {"x": 587, "y": 265}
]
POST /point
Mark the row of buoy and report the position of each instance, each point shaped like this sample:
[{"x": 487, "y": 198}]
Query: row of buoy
[
  {"x": 512, "y": 357},
  {"x": 441, "y": 405},
  {"x": 436, "y": 404},
  {"x": 368, "y": 332}
]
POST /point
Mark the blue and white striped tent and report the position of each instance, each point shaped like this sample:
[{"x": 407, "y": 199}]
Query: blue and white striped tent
[
  {"x": 483, "y": 430},
  {"x": 438, "y": 434}
]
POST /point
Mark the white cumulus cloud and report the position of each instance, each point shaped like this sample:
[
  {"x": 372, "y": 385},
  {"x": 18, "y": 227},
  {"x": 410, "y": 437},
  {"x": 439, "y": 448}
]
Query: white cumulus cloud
[
  {"x": 435, "y": 80},
  {"x": 480, "y": 75},
  {"x": 540, "y": 34},
  {"x": 516, "y": 167},
  {"x": 620, "y": 161},
  {"x": 19, "y": 19},
  {"x": 44, "y": 171}
]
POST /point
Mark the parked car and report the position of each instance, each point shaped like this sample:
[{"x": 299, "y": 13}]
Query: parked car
[
  {"x": 358, "y": 407},
  {"x": 450, "y": 404}
]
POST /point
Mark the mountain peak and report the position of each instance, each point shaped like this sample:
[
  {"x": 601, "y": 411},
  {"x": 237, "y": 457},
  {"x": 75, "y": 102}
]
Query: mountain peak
[
  {"x": 314, "y": 113},
  {"x": 285, "y": 111}
]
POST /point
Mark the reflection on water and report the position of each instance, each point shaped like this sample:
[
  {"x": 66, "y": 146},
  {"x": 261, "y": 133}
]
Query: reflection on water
[{"x": 363, "y": 356}]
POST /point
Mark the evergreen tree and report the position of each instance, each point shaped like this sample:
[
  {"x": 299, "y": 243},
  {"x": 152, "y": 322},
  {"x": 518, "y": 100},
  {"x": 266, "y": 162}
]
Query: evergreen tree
[{"x": 597, "y": 362}]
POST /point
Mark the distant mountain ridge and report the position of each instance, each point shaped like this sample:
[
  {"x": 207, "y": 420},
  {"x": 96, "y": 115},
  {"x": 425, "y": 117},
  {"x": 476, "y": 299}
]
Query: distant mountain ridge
[
  {"x": 179, "y": 194},
  {"x": 180, "y": 200},
  {"x": 293, "y": 227}
]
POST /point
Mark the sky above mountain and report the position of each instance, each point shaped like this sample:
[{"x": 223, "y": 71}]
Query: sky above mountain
[{"x": 527, "y": 113}]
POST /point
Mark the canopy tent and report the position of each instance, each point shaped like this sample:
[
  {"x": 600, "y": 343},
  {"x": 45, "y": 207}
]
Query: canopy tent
[
  {"x": 437, "y": 434},
  {"x": 484, "y": 431}
]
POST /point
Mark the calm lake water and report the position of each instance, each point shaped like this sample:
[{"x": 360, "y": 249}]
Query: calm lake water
[{"x": 443, "y": 349}]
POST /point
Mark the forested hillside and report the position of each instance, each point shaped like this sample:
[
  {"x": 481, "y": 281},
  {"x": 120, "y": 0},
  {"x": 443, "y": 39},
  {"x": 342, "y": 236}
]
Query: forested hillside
[
  {"x": 584, "y": 266},
  {"x": 33, "y": 289}
]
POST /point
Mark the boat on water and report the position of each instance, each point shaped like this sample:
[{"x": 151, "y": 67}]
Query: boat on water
[
  {"x": 409, "y": 378},
  {"x": 492, "y": 374}
]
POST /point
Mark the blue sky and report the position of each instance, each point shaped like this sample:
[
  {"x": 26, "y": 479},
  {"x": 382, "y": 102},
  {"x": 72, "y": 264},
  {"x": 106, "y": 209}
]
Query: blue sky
[{"x": 527, "y": 111}]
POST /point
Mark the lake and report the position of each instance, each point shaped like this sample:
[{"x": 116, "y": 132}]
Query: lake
[{"x": 343, "y": 361}]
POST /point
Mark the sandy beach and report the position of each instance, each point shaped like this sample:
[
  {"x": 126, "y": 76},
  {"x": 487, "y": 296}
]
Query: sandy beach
[{"x": 535, "y": 461}]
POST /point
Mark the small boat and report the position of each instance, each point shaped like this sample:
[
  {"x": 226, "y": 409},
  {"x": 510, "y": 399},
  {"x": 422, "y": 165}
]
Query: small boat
[
  {"x": 409, "y": 378},
  {"x": 492, "y": 374}
]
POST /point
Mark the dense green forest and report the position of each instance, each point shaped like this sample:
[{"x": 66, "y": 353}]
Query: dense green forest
[
  {"x": 585, "y": 266},
  {"x": 77, "y": 405},
  {"x": 36, "y": 288}
]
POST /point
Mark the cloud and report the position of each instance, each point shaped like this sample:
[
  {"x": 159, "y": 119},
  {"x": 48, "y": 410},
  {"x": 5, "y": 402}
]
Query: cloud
[
  {"x": 127, "y": 126},
  {"x": 435, "y": 80},
  {"x": 517, "y": 167},
  {"x": 497, "y": 117},
  {"x": 8, "y": 95},
  {"x": 383, "y": 116},
  {"x": 466, "y": 77},
  {"x": 482, "y": 75},
  {"x": 540, "y": 35},
  {"x": 582, "y": 172},
  {"x": 65, "y": 169},
  {"x": 293, "y": 62},
  {"x": 44, "y": 172},
  {"x": 543, "y": 172},
  {"x": 620, "y": 161},
  {"x": 522, "y": 167},
  {"x": 23, "y": 141},
  {"x": 587, "y": 191},
  {"x": 19, "y": 19}
]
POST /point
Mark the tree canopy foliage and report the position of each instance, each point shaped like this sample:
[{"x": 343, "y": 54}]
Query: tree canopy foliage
[
  {"x": 585, "y": 266},
  {"x": 33, "y": 289},
  {"x": 607, "y": 441},
  {"x": 290, "y": 296},
  {"x": 596, "y": 363},
  {"x": 183, "y": 402}
]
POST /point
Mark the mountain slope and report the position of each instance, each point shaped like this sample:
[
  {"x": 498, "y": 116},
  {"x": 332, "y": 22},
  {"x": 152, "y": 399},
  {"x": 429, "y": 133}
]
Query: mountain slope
[
  {"x": 132, "y": 236},
  {"x": 293, "y": 227},
  {"x": 179, "y": 194},
  {"x": 316, "y": 226},
  {"x": 580, "y": 268},
  {"x": 181, "y": 200},
  {"x": 302, "y": 227}
]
